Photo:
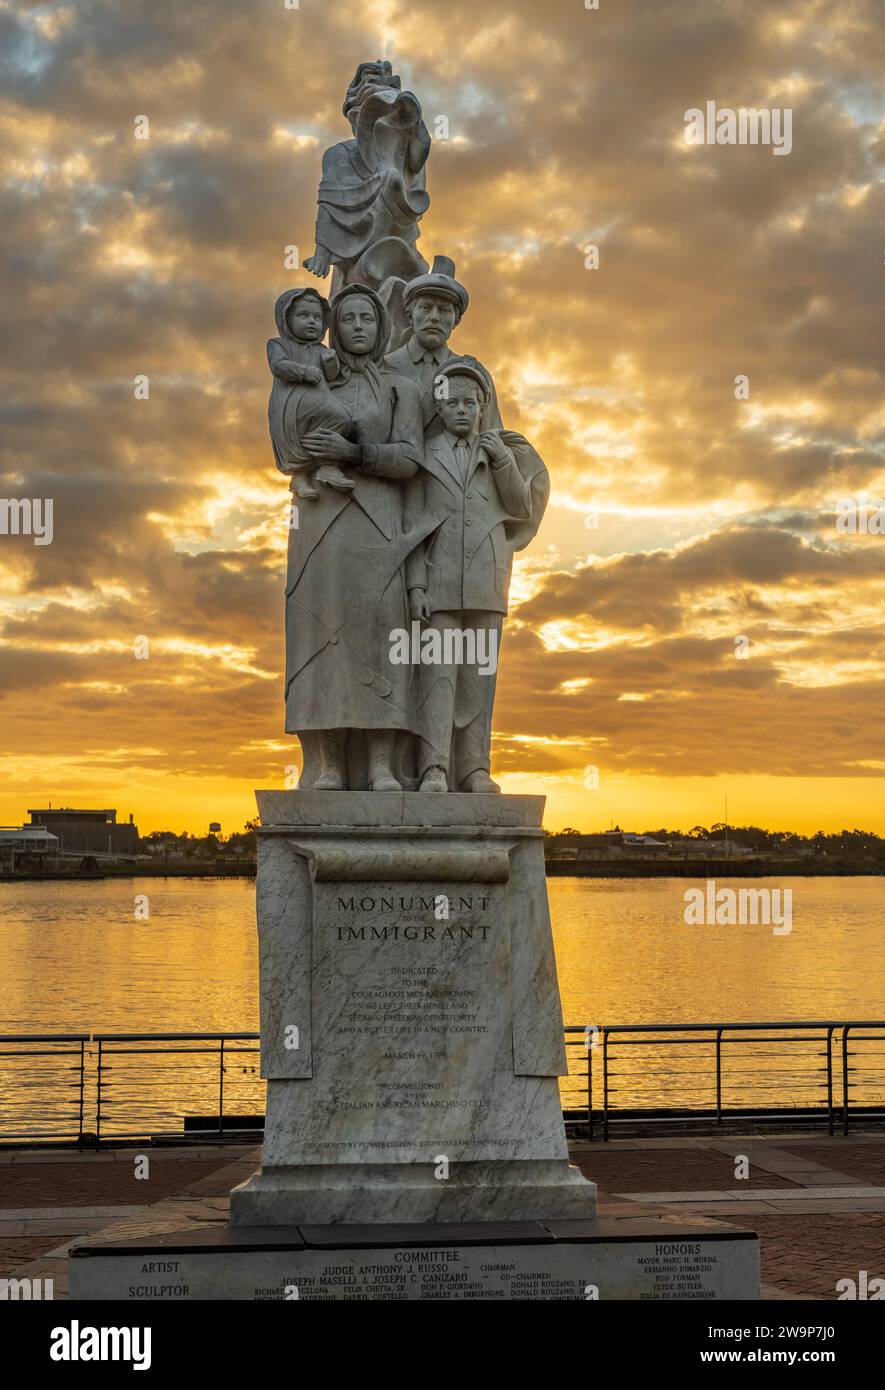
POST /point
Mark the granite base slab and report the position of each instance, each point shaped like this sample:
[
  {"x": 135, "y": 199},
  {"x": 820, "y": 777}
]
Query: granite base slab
[
  {"x": 627, "y": 1259},
  {"x": 377, "y": 1193}
]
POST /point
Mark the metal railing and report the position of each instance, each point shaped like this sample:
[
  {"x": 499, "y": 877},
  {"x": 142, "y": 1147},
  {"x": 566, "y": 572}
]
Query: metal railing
[
  {"x": 204, "y": 1081},
  {"x": 63, "y": 1053},
  {"x": 125, "y": 1085},
  {"x": 710, "y": 1073},
  {"x": 859, "y": 1057},
  {"x": 113, "y": 1087}
]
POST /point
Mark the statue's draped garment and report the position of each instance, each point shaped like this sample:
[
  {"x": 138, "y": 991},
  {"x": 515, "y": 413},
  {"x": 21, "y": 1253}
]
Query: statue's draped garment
[{"x": 373, "y": 190}]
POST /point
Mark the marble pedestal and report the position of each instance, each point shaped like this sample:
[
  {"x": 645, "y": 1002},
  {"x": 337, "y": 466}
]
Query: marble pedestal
[
  {"x": 638, "y": 1260},
  {"x": 411, "y": 1031}
]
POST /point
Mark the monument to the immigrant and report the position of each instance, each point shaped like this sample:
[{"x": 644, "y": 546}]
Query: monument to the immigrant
[
  {"x": 411, "y": 1032},
  {"x": 410, "y": 1018}
]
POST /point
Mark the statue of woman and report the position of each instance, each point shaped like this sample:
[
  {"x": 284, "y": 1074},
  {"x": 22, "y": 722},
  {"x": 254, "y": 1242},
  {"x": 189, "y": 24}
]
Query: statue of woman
[{"x": 346, "y": 591}]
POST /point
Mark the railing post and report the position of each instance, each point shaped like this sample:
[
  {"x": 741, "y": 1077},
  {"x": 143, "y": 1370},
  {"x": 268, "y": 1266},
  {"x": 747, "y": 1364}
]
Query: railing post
[
  {"x": 221, "y": 1089},
  {"x": 590, "y": 1089},
  {"x": 845, "y": 1029},
  {"x": 719, "y": 1076},
  {"x": 830, "y": 1078},
  {"x": 98, "y": 1098},
  {"x": 605, "y": 1084},
  {"x": 82, "y": 1088}
]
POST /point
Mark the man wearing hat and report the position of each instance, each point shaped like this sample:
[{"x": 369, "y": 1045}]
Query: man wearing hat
[
  {"x": 434, "y": 304},
  {"x": 490, "y": 488}
]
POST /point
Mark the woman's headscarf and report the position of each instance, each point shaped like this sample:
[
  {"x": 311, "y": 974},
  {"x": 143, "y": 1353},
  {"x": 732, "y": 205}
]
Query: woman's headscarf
[
  {"x": 366, "y": 363},
  {"x": 285, "y": 302},
  {"x": 377, "y": 352}
]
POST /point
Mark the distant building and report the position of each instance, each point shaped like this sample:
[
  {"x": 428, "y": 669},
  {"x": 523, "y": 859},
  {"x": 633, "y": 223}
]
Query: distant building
[
  {"x": 727, "y": 849},
  {"x": 26, "y": 846},
  {"x": 88, "y": 832},
  {"x": 626, "y": 844},
  {"x": 798, "y": 849},
  {"x": 606, "y": 844}
]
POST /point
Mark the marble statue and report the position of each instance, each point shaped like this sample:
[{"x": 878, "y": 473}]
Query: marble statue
[
  {"x": 411, "y": 497},
  {"x": 491, "y": 488},
  {"x": 373, "y": 194}
]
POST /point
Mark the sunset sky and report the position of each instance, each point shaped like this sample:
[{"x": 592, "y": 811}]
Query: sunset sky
[{"x": 716, "y": 516}]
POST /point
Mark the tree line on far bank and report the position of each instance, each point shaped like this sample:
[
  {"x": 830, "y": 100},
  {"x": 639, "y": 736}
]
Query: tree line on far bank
[
  {"x": 855, "y": 845},
  {"x": 170, "y": 844}
]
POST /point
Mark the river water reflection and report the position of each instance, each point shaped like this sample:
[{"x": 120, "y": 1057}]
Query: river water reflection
[{"x": 76, "y": 958}]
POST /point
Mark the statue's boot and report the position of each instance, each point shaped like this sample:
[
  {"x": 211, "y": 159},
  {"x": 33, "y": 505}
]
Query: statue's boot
[
  {"x": 479, "y": 781},
  {"x": 381, "y": 745},
  {"x": 303, "y": 487},
  {"x": 434, "y": 780},
  {"x": 331, "y": 475},
  {"x": 331, "y": 778}
]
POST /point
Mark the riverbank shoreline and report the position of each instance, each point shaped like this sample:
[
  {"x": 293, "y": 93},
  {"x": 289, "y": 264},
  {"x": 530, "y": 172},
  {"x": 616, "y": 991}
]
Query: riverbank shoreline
[
  {"x": 142, "y": 871},
  {"x": 709, "y": 868},
  {"x": 601, "y": 868}
]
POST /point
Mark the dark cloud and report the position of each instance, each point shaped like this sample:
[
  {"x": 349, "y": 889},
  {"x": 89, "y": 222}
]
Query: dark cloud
[{"x": 163, "y": 257}]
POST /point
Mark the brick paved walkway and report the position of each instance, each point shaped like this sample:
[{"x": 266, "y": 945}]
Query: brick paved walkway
[
  {"x": 817, "y": 1204},
  {"x": 806, "y": 1256},
  {"x": 47, "y": 1199},
  {"x": 89, "y": 1183},
  {"x": 678, "y": 1170}
]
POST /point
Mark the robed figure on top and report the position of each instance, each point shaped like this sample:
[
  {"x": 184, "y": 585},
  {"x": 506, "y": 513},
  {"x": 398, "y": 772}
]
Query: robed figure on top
[{"x": 373, "y": 191}]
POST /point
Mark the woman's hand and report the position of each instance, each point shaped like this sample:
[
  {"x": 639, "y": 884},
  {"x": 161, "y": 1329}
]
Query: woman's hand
[{"x": 330, "y": 445}]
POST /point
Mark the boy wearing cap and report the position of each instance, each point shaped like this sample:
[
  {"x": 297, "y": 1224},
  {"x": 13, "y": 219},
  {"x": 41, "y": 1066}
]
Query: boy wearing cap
[{"x": 490, "y": 488}]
